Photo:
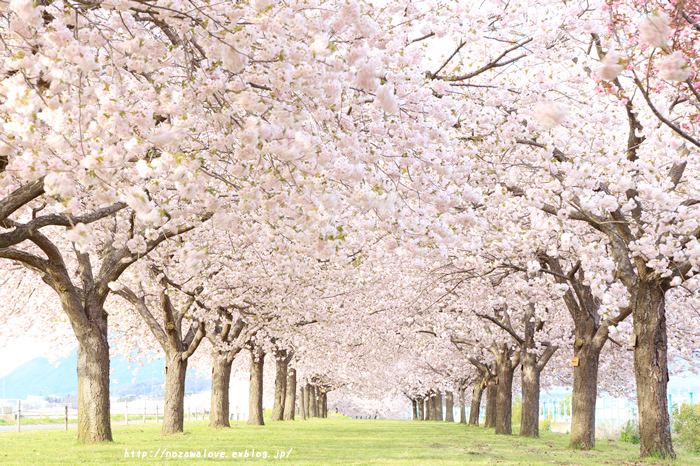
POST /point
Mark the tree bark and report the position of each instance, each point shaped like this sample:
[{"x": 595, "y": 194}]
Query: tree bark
[
  {"x": 491, "y": 402},
  {"x": 290, "y": 396},
  {"x": 307, "y": 397},
  {"x": 428, "y": 408},
  {"x": 280, "y": 386},
  {"x": 462, "y": 407},
  {"x": 174, "y": 411},
  {"x": 439, "y": 416},
  {"x": 302, "y": 403},
  {"x": 316, "y": 403},
  {"x": 324, "y": 405},
  {"x": 421, "y": 409},
  {"x": 651, "y": 370},
  {"x": 449, "y": 407},
  {"x": 220, "y": 385},
  {"x": 475, "y": 410},
  {"x": 414, "y": 410},
  {"x": 529, "y": 424},
  {"x": 255, "y": 397},
  {"x": 532, "y": 366},
  {"x": 585, "y": 391},
  {"x": 505, "y": 367},
  {"x": 504, "y": 398},
  {"x": 93, "y": 385}
]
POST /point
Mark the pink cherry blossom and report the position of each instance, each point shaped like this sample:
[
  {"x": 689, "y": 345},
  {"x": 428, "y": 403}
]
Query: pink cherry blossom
[
  {"x": 654, "y": 29},
  {"x": 674, "y": 67}
]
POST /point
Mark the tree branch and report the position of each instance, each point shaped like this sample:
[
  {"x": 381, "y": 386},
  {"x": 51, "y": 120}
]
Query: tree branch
[
  {"x": 194, "y": 344},
  {"x": 140, "y": 306},
  {"x": 544, "y": 359},
  {"x": 20, "y": 197},
  {"x": 508, "y": 328},
  {"x": 493, "y": 64}
]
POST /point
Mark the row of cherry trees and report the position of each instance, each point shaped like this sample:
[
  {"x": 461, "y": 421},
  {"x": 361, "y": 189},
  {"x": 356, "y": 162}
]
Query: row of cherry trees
[{"x": 466, "y": 194}]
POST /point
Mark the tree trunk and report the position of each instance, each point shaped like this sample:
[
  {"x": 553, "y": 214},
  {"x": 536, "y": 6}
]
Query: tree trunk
[
  {"x": 421, "y": 409},
  {"x": 314, "y": 401},
  {"x": 491, "y": 395},
  {"x": 290, "y": 396},
  {"x": 530, "y": 421},
  {"x": 449, "y": 407},
  {"x": 462, "y": 407},
  {"x": 505, "y": 367},
  {"x": 307, "y": 397},
  {"x": 93, "y": 385},
  {"x": 438, "y": 407},
  {"x": 504, "y": 396},
  {"x": 428, "y": 408},
  {"x": 324, "y": 405},
  {"x": 255, "y": 397},
  {"x": 414, "y": 411},
  {"x": 220, "y": 383},
  {"x": 475, "y": 409},
  {"x": 651, "y": 370},
  {"x": 591, "y": 335},
  {"x": 302, "y": 403},
  {"x": 585, "y": 391},
  {"x": 280, "y": 388},
  {"x": 174, "y": 411}
]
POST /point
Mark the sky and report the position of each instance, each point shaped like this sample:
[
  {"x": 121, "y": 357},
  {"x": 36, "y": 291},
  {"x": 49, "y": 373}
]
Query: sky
[{"x": 19, "y": 351}]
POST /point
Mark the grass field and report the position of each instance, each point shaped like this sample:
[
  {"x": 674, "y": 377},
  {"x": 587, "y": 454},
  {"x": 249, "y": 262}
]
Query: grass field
[{"x": 317, "y": 441}]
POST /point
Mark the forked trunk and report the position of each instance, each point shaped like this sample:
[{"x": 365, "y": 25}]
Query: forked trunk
[
  {"x": 651, "y": 370},
  {"x": 475, "y": 410},
  {"x": 585, "y": 392},
  {"x": 220, "y": 383},
  {"x": 529, "y": 424},
  {"x": 449, "y": 407},
  {"x": 174, "y": 411},
  {"x": 93, "y": 386},
  {"x": 255, "y": 397},
  {"x": 291, "y": 395},
  {"x": 491, "y": 396},
  {"x": 280, "y": 389}
]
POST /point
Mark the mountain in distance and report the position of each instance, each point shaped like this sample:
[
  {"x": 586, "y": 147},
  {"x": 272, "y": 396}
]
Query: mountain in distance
[{"x": 39, "y": 377}]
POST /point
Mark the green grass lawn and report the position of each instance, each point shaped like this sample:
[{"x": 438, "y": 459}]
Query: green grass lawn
[{"x": 319, "y": 441}]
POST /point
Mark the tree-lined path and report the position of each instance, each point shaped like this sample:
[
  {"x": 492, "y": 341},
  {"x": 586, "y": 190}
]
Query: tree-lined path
[{"x": 396, "y": 206}]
